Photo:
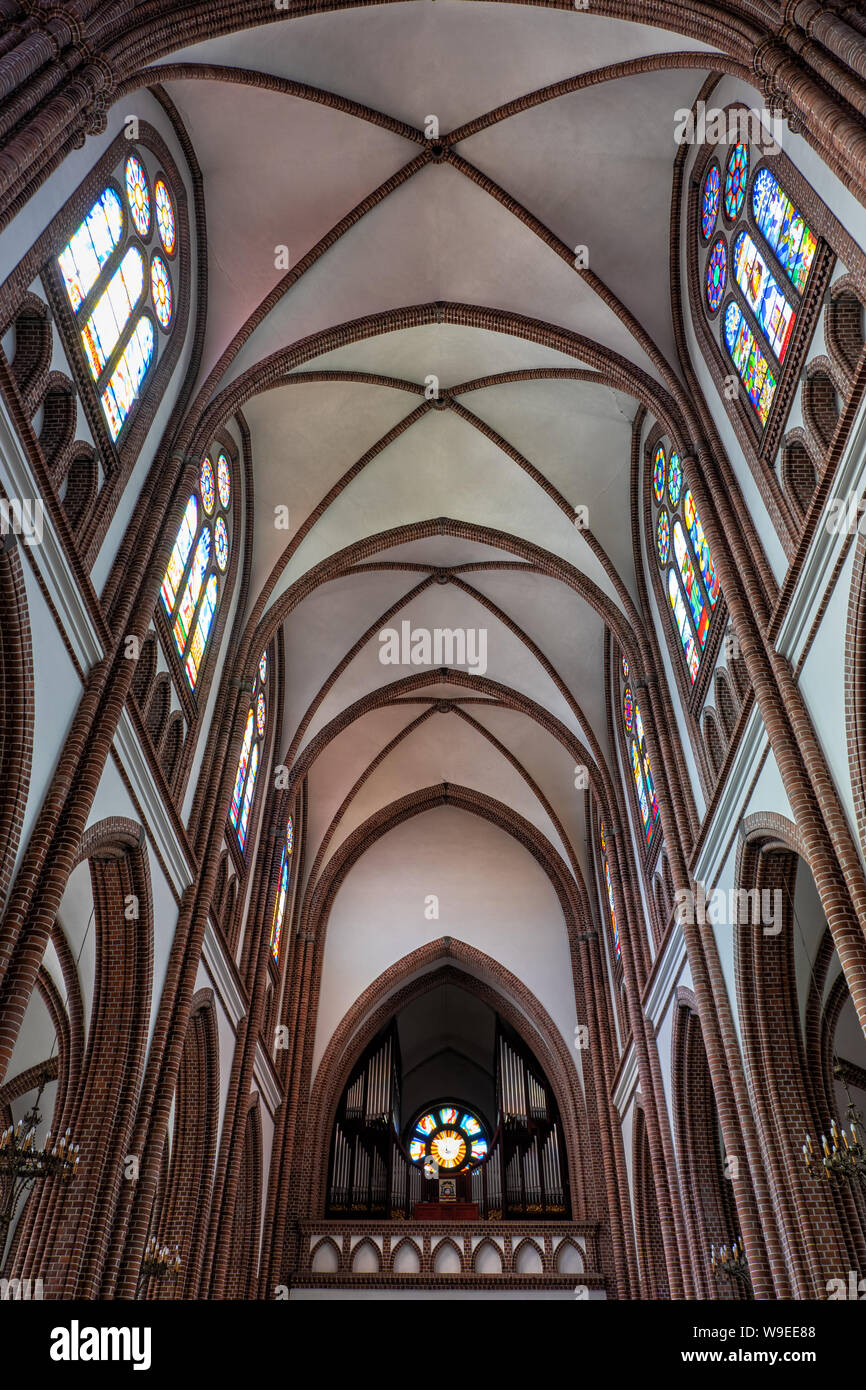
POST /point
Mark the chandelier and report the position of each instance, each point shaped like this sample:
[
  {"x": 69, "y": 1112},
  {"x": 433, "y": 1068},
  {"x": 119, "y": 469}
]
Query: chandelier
[
  {"x": 731, "y": 1264},
  {"x": 842, "y": 1157},
  {"x": 23, "y": 1161},
  {"x": 159, "y": 1262}
]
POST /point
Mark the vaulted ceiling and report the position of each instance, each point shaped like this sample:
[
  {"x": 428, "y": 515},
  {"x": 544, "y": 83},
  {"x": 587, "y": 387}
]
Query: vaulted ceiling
[{"x": 413, "y": 258}]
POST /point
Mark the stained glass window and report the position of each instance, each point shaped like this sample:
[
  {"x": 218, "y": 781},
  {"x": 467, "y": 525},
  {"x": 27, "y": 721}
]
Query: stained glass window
[
  {"x": 248, "y": 762},
  {"x": 663, "y": 536},
  {"x": 675, "y": 479},
  {"x": 628, "y": 708},
  {"x": 736, "y": 175},
  {"x": 206, "y": 484},
  {"x": 615, "y": 929},
  {"x": 701, "y": 548},
  {"x": 710, "y": 205},
  {"x": 224, "y": 483},
  {"x": 282, "y": 892},
  {"x": 89, "y": 248},
  {"x": 160, "y": 288},
  {"x": 762, "y": 294},
  {"x": 263, "y": 667},
  {"x": 647, "y": 770},
  {"x": 659, "y": 474},
  {"x": 624, "y": 669},
  {"x": 197, "y": 580},
  {"x": 124, "y": 384},
  {"x": 784, "y": 230},
  {"x": 106, "y": 268},
  {"x": 102, "y": 330},
  {"x": 681, "y": 618},
  {"x": 717, "y": 274},
  {"x": 164, "y": 216},
  {"x": 750, "y": 362},
  {"x": 643, "y": 778},
  {"x": 450, "y": 1136}
]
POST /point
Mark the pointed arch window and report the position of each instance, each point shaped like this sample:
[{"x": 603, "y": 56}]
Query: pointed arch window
[
  {"x": 252, "y": 749},
  {"x": 119, "y": 284},
  {"x": 282, "y": 891},
  {"x": 617, "y": 948},
  {"x": 684, "y": 557},
  {"x": 195, "y": 576},
  {"x": 642, "y": 775},
  {"x": 758, "y": 254}
]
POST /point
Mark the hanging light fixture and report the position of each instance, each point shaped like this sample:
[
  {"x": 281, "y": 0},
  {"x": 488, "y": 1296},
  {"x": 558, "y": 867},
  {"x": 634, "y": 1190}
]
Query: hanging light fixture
[
  {"x": 730, "y": 1263},
  {"x": 159, "y": 1262},
  {"x": 842, "y": 1158},
  {"x": 23, "y": 1162}
]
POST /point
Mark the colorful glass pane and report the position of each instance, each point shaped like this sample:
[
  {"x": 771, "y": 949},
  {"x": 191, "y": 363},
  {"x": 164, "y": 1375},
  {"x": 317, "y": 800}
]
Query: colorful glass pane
[
  {"x": 470, "y": 1125},
  {"x": 160, "y": 288},
  {"x": 659, "y": 474},
  {"x": 691, "y": 586},
  {"x": 290, "y": 835},
  {"x": 224, "y": 482},
  {"x": 627, "y": 709},
  {"x": 125, "y": 381},
  {"x": 647, "y": 769},
  {"x": 208, "y": 495},
  {"x": 624, "y": 669},
  {"x": 750, "y": 362},
  {"x": 248, "y": 797},
  {"x": 663, "y": 538},
  {"x": 616, "y": 942},
  {"x": 263, "y": 667},
  {"x": 736, "y": 175},
  {"x": 717, "y": 274},
  {"x": 280, "y": 906},
  {"x": 785, "y": 232},
  {"x": 641, "y": 792},
  {"x": 678, "y": 606},
  {"x": 243, "y": 763},
  {"x": 186, "y": 610},
  {"x": 479, "y": 1149},
  {"x": 137, "y": 195},
  {"x": 101, "y": 334},
  {"x": 426, "y": 1125},
  {"x": 202, "y": 631},
  {"x": 260, "y": 713},
  {"x": 447, "y": 1115},
  {"x": 675, "y": 479},
  {"x": 164, "y": 215},
  {"x": 82, "y": 259},
  {"x": 701, "y": 549},
  {"x": 416, "y": 1150},
  {"x": 763, "y": 295},
  {"x": 221, "y": 543},
  {"x": 710, "y": 205},
  {"x": 180, "y": 555},
  {"x": 448, "y": 1148}
]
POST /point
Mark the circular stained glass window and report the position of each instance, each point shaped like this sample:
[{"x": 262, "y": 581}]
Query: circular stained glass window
[
  {"x": 710, "y": 205},
  {"x": 263, "y": 667},
  {"x": 449, "y": 1136},
  {"x": 164, "y": 216},
  {"x": 221, "y": 543},
  {"x": 663, "y": 538},
  {"x": 260, "y": 713},
  {"x": 624, "y": 669},
  {"x": 628, "y": 709},
  {"x": 735, "y": 180},
  {"x": 717, "y": 274},
  {"x": 137, "y": 195},
  {"x": 659, "y": 474},
  {"x": 675, "y": 479},
  {"x": 224, "y": 482},
  {"x": 208, "y": 496},
  {"x": 160, "y": 286}
]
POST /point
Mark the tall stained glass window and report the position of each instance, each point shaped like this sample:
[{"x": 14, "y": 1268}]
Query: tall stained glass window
[
  {"x": 282, "y": 889},
  {"x": 247, "y": 773},
  {"x": 757, "y": 260},
  {"x": 641, "y": 768},
  {"x": 117, "y": 278},
  {"x": 617, "y": 948},
  {"x": 690, "y": 581},
  {"x": 191, "y": 587}
]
